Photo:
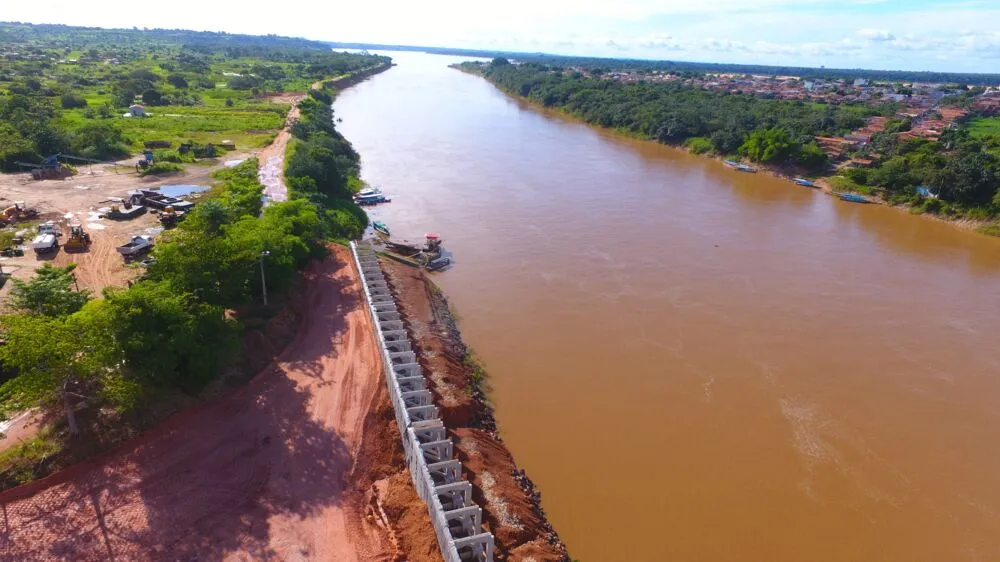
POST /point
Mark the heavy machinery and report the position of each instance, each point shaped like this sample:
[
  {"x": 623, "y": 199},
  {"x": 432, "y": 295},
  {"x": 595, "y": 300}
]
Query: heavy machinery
[
  {"x": 78, "y": 240},
  {"x": 17, "y": 212},
  {"x": 169, "y": 217},
  {"x": 146, "y": 161},
  {"x": 137, "y": 247}
]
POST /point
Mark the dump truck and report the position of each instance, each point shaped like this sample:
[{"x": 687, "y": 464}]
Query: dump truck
[
  {"x": 45, "y": 243},
  {"x": 136, "y": 247},
  {"x": 79, "y": 239}
]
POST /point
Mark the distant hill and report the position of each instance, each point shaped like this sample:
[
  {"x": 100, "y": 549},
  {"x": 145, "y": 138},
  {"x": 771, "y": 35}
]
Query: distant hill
[{"x": 609, "y": 64}]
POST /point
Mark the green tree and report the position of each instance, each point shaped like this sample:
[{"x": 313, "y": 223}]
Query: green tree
[
  {"x": 71, "y": 100},
  {"x": 54, "y": 363},
  {"x": 177, "y": 81},
  {"x": 774, "y": 145},
  {"x": 102, "y": 141},
  {"x": 49, "y": 293},
  {"x": 811, "y": 156},
  {"x": 168, "y": 338}
]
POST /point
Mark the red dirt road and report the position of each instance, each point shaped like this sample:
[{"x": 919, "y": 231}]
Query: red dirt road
[{"x": 257, "y": 475}]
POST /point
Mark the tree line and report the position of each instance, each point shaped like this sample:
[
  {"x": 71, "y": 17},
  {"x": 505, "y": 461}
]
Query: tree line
[
  {"x": 763, "y": 130},
  {"x": 957, "y": 176}
]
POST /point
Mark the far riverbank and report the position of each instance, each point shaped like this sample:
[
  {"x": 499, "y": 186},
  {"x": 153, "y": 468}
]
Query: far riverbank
[{"x": 823, "y": 182}]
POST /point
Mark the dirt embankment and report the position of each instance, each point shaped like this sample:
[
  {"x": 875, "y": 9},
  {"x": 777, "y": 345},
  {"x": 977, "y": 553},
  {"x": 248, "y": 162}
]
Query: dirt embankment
[
  {"x": 282, "y": 468},
  {"x": 511, "y": 503}
]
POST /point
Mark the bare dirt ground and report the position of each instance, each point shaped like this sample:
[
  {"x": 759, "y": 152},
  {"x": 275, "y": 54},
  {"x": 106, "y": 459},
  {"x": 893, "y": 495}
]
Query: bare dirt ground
[
  {"x": 272, "y": 157},
  {"x": 274, "y": 471},
  {"x": 511, "y": 503}
]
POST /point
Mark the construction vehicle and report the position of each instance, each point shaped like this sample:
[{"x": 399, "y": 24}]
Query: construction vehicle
[
  {"x": 146, "y": 161},
  {"x": 16, "y": 212},
  {"x": 49, "y": 228},
  {"x": 169, "y": 217},
  {"x": 136, "y": 247},
  {"x": 45, "y": 243},
  {"x": 79, "y": 239}
]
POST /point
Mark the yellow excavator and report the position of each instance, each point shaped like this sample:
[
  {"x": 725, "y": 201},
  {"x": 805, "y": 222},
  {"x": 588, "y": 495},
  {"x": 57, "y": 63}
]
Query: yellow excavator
[{"x": 78, "y": 240}]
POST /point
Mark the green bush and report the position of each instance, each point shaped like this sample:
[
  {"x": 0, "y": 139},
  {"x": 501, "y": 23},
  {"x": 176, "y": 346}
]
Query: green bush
[
  {"x": 70, "y": 100},
  {"x": 162, "y": 168},
  {"x": 699, "y": 145},
  {"x": 990, "y": 229}
]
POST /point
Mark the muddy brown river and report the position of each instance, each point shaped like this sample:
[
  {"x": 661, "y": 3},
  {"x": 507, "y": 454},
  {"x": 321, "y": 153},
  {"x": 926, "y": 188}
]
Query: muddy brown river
[{"x": 694, "y": 363}]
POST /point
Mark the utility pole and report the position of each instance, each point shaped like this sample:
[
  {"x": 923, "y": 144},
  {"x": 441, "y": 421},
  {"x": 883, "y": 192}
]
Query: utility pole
[{"x": 263, "y": 281}]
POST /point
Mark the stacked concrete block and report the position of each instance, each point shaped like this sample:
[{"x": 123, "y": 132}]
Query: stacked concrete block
[{"x": 437, "y": 476}]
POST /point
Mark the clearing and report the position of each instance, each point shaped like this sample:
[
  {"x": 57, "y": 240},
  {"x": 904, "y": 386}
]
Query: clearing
[{"x": 260, "y": 474}]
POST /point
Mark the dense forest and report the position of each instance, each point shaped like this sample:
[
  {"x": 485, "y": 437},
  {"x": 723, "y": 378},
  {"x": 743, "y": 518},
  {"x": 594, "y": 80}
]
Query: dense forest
[
  {"x": 65, "y": 89},
  {"x": 961, "y": 172},
  {"x": 645, "y": 65}
]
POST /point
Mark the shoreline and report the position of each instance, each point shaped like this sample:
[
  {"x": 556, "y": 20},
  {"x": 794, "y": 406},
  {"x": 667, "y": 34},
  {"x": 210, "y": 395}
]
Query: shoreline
[
  {"x": 511, "y": 502},
  {"x": 822, "y": 181}
]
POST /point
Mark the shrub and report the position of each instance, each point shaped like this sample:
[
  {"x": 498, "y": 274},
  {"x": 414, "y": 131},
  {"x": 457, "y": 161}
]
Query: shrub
[
  {"x": 990, "y": 229},
  {"x": 699, "y": 145},
  {"x": 70, "y": 100},
  {"x": 162, "y": 168}
]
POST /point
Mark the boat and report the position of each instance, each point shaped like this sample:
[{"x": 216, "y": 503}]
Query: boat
[
  {"x": 804, "y": 182},
  {"x": 852, "y": 197},
  {"x": 157, "y": 200},
  {"x": 372, "y": 199},
  {"x": 380, "y": 228},
  {"x": 438, "y": 264},
  {"x": 745, "y": 168},
  {"x": 368, "y": 192},
  {"x": 731, "y": 164}
]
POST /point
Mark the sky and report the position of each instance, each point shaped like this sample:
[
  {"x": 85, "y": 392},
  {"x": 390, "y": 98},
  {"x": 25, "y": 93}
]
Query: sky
[{"x": 959, "y": 36}]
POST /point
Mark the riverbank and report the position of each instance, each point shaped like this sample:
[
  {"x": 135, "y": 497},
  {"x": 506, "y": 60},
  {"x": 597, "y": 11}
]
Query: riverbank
[
  {"x": 511, "y": 502},
  {"x": 952, "y": 215}
]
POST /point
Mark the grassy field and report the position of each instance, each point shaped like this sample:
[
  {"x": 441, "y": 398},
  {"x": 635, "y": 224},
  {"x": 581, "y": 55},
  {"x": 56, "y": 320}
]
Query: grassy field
[
  {"x": 981, "y": 127},
  {"x": 249, "y": 126}
]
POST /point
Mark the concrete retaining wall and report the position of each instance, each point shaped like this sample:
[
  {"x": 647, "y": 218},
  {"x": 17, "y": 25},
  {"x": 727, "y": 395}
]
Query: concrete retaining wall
[{"x": 437, "y": 476}]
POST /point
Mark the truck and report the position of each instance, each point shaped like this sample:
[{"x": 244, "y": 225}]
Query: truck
[
  {"x": 49, "y": 228},
  {"x": 45, "y": 243},
  {"x": 136, "y": 247}
]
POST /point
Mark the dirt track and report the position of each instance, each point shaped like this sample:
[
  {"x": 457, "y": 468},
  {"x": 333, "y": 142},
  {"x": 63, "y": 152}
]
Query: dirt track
[{"x": 257, "y": 475}]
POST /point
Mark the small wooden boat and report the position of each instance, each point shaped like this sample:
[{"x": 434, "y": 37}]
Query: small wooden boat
[
  {"x": 731, "y": 164},
  {"x": 852, "y": 197},
  {"x": 804, "y": 182},
  {"x": 380, "y": 228}
]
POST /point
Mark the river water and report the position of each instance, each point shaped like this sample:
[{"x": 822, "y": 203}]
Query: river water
[{"x": 694, "y": 363}]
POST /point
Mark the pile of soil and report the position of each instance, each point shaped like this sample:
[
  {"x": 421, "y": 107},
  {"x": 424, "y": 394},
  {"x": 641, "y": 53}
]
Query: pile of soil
[{"x": 511, "y": 502}]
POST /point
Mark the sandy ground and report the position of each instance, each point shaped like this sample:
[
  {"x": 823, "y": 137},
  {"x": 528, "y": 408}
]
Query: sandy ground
[
  {"x": 272, "y": 158},
  {"x": 260, "y": 474},
  {"x": 511, "y": 504}
]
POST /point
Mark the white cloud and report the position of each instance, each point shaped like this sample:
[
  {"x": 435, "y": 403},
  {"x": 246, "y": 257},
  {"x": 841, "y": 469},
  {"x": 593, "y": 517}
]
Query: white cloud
[{"x": 876, "y": 34}]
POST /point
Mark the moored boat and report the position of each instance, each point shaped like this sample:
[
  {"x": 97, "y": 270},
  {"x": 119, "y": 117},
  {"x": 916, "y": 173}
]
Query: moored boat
[
  {"x": 745, "y": 168},
  {"x": 380, "y": 228},
  {"x": 804, "y": 182},
  {"x": 852, "y": 197}
]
